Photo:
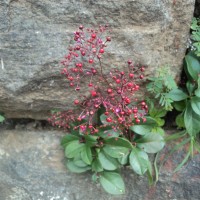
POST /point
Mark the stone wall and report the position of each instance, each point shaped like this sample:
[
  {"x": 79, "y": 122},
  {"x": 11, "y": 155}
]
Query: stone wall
[
  {"x": 34, "y": 35},
  {"x": 32, "y": 168}
]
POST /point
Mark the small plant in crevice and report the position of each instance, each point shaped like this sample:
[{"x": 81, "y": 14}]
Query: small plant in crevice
[
  {"x": 185, "y": 99},
  {"x": 111, "y": 127}
]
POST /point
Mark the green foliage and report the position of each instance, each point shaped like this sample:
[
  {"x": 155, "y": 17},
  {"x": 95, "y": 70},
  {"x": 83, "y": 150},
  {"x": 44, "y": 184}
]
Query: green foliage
[
  {"x": 104, "y": 155},
  {"x": 185, "y": 100},
  {"x": 112, "y": 183},
  {"x": 190, "y": 105},
  {"x": 151, "y": 143},
  {"x": 192, "y": 66},
  {"x": 2, "y": 118},
  {"x": 145, "y": 127},
  {"x": 160, "y": 85},
  {"x": 196, "y": 36},
  {"x": 154, "y": 121},
  {"x": 139, "y": 161}
]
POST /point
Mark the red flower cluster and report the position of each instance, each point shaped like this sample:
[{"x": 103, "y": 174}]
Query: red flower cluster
[{"x": 114, "y": 91}]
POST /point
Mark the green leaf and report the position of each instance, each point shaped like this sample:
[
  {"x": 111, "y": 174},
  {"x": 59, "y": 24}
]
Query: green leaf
[
  {"x": 191, "y": 120},
  {"x": 108, "y": 133},
  {"x": 160, "y": 121},
  {"x": 107, "y": 162},
  {"x": 192, "y": 66},
  {"x": 144, "y": 127},
  {"x": 96, "y": 166},
  {"x": 74, "y": 168},
  {"x": 112, "y": 183},
  {"x": 157, "y": 113},
  {"x": 151, "y": 143},
  {"x": 67, "y": 139},
  {"x": 115, "y": 151},
  {"x": 177, "y": 95},
  {"x": 175, "y": 136},
  {"x": 169, "y": 82},
  {"x": 158, "y": 130},
  {"x": 197, "y": 92},
  {"x": 194, "y": 24},
  {"x": 86, "y": 155},
  {"x": 190, "y": 87},
  {"x": 95, "y": 177},
  {"x": 124, "y": 160},
  {"x": 195, "y": 103},
  {"x": 183, "y": 162},
  {"x": 150, "y": 174},
  {"x": 2, "y": 118},
  {"x": 90, "y": 140},
  {"x": 79, "y": 162},
  {"x": 73, "y": 148},
  {"x": 179, "y": 105},
  {"x": 139, "y": 161},
  {"x": 180, "y": 120},
  {"x": 118, "y": 141},
  {"x": 141, "y": 129}
]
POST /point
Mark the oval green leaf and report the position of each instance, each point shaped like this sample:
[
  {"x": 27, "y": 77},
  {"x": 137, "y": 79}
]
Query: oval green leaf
[
  {"x": 195, "y": 103},
  {"x": 139, "y": 161},
  {"x": 96, "y": 166},
  {"x": 192, "y": 65},
  {"x": 112, "y": 183},
  {"x": 107, "y": 162},
  {"x": 177, "y": 95},
  {"x": 67, "y": 139},
  {"x": 190, "y": 87},
  {"x": 180, "y": 105},
  {"x": 151, "y": 143},
  {"x": 124, "y": 160},
  {"x": 197, "y": 92},
  {"x": 141, "y": 129},
  {"x": 118, "y": 141},
  {"x": 108, "y": 133},
  {"x": 74, "y": 168},
  {"x": 191, "y": 120},
  {"x": 79, "y": 163},
  {"x": 86, "y": 155},
  {"x": 144, "y": 127},
  {"x": 73, "y": 148},
  {"x": 91, "y": 140},
  {"x": 115, "y": 151}
]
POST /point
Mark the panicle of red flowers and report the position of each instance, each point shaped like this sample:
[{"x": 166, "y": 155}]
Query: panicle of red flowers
[{"x": 115, "y": 90}]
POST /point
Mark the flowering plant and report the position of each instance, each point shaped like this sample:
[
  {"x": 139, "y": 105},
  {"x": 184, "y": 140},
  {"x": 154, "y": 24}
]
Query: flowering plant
[{"x": 113, "y": 128}]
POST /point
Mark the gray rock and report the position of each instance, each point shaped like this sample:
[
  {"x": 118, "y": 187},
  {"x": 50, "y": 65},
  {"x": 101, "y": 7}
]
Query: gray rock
[
  {"x": 32, "y": 167},
  {"x": 34, "y": 35},
  {"x": 10, "y": 192}
]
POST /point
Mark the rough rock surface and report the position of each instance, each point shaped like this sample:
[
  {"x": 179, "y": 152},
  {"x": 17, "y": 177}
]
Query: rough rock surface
[
  {"x": 32, "y": 168},
  {"x": 34, "y": 35}
]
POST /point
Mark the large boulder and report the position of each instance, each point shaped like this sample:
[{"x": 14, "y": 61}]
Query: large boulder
[{"x": 34, "y": 35}]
